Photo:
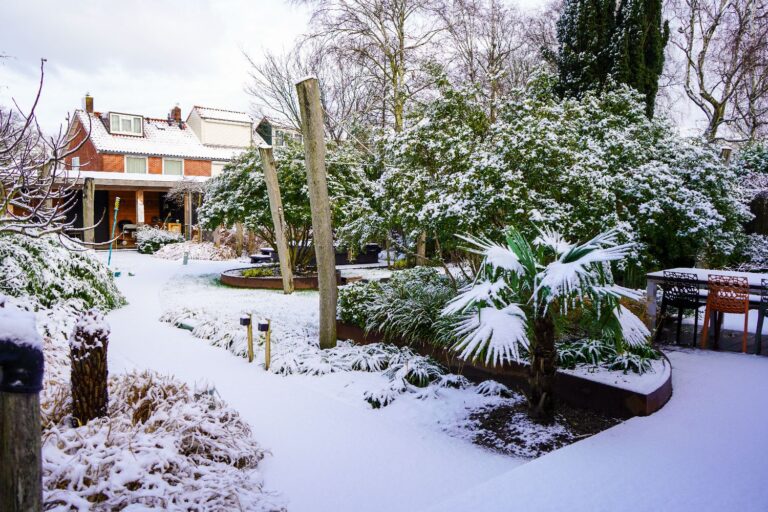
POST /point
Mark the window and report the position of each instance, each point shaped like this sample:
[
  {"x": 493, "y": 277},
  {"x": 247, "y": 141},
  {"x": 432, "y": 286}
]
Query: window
[
  {"x": 75, "y": 165},
  {"x": 279, "y": 138},
  {"x": 136, "y": 164},
  {"x": 173, "y": 166},
  {"x": 297, "y": 137},
  {"x": 125, "y": 124}
]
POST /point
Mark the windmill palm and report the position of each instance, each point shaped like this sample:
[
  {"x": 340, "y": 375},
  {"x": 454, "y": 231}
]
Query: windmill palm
[{"x": 522, "y": 291}]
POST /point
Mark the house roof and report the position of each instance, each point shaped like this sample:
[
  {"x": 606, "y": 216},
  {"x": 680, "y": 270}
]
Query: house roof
[
  {"x": 218, "y": 114},
  {"x": 160, "y": 139}
]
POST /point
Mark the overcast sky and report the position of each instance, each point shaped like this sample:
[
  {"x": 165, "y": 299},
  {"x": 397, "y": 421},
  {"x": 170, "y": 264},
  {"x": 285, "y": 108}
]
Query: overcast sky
[{"x": 141, "y": 56}]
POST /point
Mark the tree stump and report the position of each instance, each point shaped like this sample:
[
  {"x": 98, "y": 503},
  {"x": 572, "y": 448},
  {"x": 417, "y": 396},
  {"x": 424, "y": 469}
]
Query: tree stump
[{"x": 88, "y": 355}]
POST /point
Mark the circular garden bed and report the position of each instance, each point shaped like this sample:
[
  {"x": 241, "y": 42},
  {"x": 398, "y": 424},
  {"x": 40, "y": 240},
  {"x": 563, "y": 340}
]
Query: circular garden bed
[{"x": 268, "y": 278}]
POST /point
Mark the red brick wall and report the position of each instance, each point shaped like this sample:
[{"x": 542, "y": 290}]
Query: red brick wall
[
  {"x": 112, "y": 163},
  {"x": 89, "y": 158},
  {"x": 197, "y": 167},
  {"x": 155, "y": 165}
]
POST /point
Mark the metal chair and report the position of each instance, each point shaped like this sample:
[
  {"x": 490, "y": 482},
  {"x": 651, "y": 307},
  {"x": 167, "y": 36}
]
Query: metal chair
[
  {"x": 761, "y": 312},
  {"x": 727, "y": 294},
  {"x": 680, "y": 290}
]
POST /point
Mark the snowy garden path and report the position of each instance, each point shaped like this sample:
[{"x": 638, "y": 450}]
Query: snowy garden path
[
  {"x": 328, "y": 453},
  {"x": 706, "y": 450}
]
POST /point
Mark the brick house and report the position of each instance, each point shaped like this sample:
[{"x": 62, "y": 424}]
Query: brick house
[{"x": 139, "y": 159}]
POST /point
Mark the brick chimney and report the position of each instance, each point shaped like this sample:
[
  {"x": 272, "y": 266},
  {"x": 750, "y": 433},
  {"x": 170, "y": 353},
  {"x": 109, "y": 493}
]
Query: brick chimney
[
  {"x": 176, "y": 113},
  {"x": 88, "y": 103}
]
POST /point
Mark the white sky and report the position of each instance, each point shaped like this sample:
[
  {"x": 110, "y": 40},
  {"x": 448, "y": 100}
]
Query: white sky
[{"x": 140, "y": 56}]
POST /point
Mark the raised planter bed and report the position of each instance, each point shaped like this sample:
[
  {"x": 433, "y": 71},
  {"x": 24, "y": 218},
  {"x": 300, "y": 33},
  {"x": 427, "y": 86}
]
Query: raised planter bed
[
  {"x": 576, "y": 387},
  {"x": 236, "y": 278}
]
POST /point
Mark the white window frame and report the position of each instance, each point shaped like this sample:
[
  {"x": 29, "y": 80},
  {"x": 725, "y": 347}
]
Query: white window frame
[
  {"x": 125, "y": 164},
  {"x": 75, "y": 164},
  {"x": 120, "y": 118},
  {"x": 174, "y": 160}
]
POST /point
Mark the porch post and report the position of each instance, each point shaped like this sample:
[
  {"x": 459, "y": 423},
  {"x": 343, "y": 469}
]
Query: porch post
[
  {"x": 188, "y": 216},
  {"x": 89, "y": 191},
  {"x": 139, "y": 207}
]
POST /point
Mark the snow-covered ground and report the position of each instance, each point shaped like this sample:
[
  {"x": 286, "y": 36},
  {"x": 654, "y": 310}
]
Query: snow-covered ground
[{"x": 330, "y": 451}]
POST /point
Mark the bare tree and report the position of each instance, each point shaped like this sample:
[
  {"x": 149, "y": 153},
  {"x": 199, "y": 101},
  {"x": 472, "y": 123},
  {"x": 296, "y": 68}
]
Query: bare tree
[
  {"x": 719, "y": 41},
  {"x": 36, "y": 191},
  {"x": 750, "y": 103},
  {"x": 488, "y": 46},
  {"x": 348, "y": 96},
  {"x": 388, "y": 39}
]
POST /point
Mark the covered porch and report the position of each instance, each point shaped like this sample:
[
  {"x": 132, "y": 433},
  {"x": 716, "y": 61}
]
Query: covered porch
[{"x": 142, "y": 201}]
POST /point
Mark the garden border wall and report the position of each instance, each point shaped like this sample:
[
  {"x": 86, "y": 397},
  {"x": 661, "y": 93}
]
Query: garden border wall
[
  {"x": 269, "y": 282},
  {"x": 573, "y": 389}
]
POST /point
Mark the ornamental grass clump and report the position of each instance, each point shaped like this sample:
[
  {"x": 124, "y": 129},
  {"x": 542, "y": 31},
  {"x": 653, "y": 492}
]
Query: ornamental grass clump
[
  {"x": 88, "y": 358},
  {"x": 524, "y": 294}
]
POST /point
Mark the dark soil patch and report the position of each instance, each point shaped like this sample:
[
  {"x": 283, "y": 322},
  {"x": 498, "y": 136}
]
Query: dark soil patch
[{"x": 507, "y": 429}]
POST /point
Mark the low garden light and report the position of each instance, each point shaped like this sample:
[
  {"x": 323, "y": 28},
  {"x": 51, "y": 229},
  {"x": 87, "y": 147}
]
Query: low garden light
[
  {"x": 266, "y": 328},
  {"x": 247, "y": 321}
]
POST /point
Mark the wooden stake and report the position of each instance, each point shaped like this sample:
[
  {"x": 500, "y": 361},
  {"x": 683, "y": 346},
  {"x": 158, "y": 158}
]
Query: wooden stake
[
  {"x": 20, "y": 460},
  {"x": 314, "y": 150},
  {"x": 268, "y": 345},
  {"x": 278, "y": 219},
  {"x": 250, "y": 338}
]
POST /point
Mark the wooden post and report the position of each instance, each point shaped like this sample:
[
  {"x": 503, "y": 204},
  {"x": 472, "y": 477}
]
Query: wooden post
[
  {"x": 21, "y": 379},
  {"x": 268, "y": 345},
  {"x": 239, "y": 239},
  {"x": 188, "y": 216},
  {"x": 139, "y": 207},
  {"x": 278, "y": 219},
  {"x": 250, "y": 337},
  {"x": 314, "y": 152},
  {"x": 89, "y": 193}
]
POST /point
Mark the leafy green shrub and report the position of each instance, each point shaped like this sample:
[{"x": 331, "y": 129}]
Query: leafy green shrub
[
  {"x": 592, "y": 352},
  {"x": 149, "y": 239},
  {"x": 354, "y": 301},
  {"x": 259, "y": 272},
  {"x": 47, "y": 270}
]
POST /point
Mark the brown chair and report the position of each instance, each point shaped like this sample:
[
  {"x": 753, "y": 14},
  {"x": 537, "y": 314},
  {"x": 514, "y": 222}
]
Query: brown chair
[{"x": 727, "y": 294}]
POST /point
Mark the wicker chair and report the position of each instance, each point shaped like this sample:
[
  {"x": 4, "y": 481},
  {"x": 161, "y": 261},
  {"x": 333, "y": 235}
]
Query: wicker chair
[
  {"x": 761, "y": 312},
  {"x": 727, "y": 294},
  {"x": 681, "y": 291}
]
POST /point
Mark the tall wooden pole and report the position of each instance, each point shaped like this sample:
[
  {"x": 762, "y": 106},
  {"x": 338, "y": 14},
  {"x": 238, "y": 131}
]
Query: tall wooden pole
[
  {"x": 278, "y": 219},
  {"x": 314, "y": 150},
  {"x": 21, "y": 379},
  {"x": 188, "y": 216}
]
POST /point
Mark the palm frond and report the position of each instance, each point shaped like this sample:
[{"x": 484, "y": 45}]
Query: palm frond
[
  {"x": 553, "y": 240},
  {"x": 495, "y": 335},
  {"x": 633, "y": 329},
  {"x": 495, "y": 254},
  {"x": 481, "y": 292}
]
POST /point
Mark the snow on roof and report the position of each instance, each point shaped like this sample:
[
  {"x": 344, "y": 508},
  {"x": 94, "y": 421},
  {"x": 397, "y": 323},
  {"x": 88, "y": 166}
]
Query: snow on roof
[
  {"x": 220, "y": 114},
  {"x": 160, "y": 139}
]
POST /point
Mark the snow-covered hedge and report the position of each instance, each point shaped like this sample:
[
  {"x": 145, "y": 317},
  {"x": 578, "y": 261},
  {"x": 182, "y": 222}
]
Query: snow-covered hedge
[
  {"x": 149, "y": 238},
  {"x": 196, "y": 251},
  {"x": 407, "y": 307},
  {"x": 44, "y": 268}
]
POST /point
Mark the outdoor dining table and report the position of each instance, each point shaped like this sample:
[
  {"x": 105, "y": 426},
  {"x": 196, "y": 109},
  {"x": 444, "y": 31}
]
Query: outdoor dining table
[{"x": 702, "y": 275}]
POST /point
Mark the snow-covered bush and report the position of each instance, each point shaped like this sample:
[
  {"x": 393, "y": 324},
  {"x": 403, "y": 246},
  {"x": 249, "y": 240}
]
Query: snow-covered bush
[
  {"x": 149, "y": 238},
  {"x": 162, "y": 446},
  {"x": 196, "y": 251},
  {"x": 585, "y": 165},
  {"x": 406, "y": 308},
  {"x": 754, "y": 254},
  {"x": 49, "y": 271}
]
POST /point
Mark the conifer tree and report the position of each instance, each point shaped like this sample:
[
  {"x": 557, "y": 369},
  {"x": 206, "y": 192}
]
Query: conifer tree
[
  {"x": 638, "y": 47},
  {"x": 584, "y": 33}
]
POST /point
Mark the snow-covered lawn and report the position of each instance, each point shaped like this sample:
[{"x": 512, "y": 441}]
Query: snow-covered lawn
[{"x": 331, "y": 451}]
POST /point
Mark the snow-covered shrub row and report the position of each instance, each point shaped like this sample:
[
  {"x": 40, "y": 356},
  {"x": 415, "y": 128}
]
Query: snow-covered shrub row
[
  {"x": 163, "y": 446},
  {"x": 598, "y": 353},
  {"x": 44, "y": 268},
  {"x": 578, "y": 165},
  {"x": 755, "y": 254},
  {"x": 149, "y": 238},
  {"x": 407, "y": 307},
  {"x": 405, "y": 370},
  {"x": 196, "y": 251}
]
